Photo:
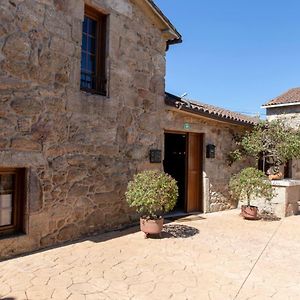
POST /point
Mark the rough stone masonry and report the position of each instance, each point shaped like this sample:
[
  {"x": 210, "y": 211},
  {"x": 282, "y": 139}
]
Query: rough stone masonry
[{"x": 79, "y": 149}]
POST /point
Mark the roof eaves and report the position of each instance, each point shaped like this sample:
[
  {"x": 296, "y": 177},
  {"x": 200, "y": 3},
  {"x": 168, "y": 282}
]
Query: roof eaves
[
  {"x": 187, "y": 106},
  {"x": 177, "y": 36},
  {"x": 280, "y": 105}
]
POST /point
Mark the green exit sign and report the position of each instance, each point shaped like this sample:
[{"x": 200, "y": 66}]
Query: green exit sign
[{"x": 187, "y": 126}]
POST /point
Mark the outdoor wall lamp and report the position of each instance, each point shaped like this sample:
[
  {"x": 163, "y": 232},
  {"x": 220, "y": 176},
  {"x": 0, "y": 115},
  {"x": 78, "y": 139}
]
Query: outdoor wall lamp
[
  {"x": 210, "y": 151},
  {"x": 155, "y": 156}
]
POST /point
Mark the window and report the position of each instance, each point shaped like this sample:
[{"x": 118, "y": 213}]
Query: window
[
  {"x": 93, "y": 73},
  {"x": 11, "y": 200}
]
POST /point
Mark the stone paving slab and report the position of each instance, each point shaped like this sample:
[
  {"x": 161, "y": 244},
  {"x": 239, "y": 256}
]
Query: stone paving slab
[{"x": 218, "y": 257}]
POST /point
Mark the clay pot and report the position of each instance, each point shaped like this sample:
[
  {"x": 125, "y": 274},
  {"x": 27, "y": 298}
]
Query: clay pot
[
  {"x": 277, "y": 176},
  {"x": 149, "y": 226},
  {"x": 249, "y": 212}
]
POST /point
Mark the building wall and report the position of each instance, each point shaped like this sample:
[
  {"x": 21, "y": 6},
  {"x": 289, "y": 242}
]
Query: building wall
[
  {"x": 79, "y": 149},
  {"x": 290, "y": 115},
  {"x": 285, "y": 201},
  {"x": 216, "y": 171}
]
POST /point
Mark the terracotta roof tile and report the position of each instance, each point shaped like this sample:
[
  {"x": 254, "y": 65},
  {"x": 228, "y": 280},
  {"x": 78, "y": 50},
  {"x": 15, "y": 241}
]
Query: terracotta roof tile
[
  {"x": 209, "y": 111},
  {"x": 291, "y": 96}
]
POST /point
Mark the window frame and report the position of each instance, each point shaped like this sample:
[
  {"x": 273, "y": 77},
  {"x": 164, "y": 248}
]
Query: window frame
[
  {"x": 101, "y": 49},
  {"x": 18, "y": 205}
]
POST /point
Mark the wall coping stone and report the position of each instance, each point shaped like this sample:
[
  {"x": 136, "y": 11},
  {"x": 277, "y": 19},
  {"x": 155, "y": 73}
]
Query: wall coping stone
[{"x": 285, "y": 182}]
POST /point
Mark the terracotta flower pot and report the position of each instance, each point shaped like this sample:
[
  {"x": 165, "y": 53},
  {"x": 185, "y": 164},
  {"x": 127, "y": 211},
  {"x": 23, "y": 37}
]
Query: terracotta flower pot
[
  {"x": 277, "y": 176},
  {"x": 149, "y": 226},
  {"x": 249, "y": 212}
]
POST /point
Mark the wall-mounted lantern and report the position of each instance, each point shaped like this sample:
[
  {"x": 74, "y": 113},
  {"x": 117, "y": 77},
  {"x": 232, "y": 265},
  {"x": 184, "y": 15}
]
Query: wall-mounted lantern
[
  {"x": 155, "y": 156},
  {"x": 210, "y": 151}
]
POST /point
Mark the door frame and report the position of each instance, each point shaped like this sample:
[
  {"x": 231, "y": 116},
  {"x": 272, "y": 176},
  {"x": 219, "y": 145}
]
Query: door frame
[{"x": 201, "y": 167}]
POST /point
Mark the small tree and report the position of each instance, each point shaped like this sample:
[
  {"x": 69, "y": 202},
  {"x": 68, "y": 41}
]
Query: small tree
[
  {"x": 249, "y": 183},
  {"x": 152, "y": 193},
  {"x": 275, "y": 142}
]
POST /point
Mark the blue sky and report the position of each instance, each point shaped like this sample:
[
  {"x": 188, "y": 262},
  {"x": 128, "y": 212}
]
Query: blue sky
[{"x": 237, "y": 54}]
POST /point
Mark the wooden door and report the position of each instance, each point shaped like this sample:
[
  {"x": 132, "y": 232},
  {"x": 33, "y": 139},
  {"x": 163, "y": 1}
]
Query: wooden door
[{"x": 194, "y": 172}]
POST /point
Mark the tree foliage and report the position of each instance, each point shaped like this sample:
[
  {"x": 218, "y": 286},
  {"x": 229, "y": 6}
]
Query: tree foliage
[
  {"x": 275, "y": 141},
  {"x": 152, "y": 193},
  {"x": 249, "y": 183}
]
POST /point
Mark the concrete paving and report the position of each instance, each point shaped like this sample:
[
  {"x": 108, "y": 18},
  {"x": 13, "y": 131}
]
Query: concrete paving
[{"x": 216, "y": 257}]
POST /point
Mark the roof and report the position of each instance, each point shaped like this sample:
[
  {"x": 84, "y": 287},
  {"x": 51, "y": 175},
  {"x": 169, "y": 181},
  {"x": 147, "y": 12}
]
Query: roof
[
  {"x": 158, "y": 18},
  {"x": 209, "y": 111},
  {"x": 177, "y": 35},
  {"x": 291, "y": 97}
]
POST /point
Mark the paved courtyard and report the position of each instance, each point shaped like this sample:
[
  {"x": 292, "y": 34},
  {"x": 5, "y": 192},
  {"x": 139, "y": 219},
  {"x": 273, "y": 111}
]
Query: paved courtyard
[{"x": 218, "y": 256}]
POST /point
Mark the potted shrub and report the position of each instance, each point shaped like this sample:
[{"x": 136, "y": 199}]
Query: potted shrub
[
  {"x": 152, "y": 193},
  {"x": 273, "y": 143},
  {"x": 248, "y": 184}
]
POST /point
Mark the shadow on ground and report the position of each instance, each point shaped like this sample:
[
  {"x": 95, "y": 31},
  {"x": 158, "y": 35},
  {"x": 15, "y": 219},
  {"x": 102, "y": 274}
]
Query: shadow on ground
[
  {"x": 175, "y": 231},
  {"x": 185, "y": 218},
  {"x": 169, "y": 231},
  {"x": 179, "y": 231},
  {"x": 97, "y": 237}
]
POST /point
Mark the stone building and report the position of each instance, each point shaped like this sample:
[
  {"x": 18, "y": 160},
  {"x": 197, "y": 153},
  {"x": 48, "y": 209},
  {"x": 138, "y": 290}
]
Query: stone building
[
  {"x": 82, "y": 105},
  {"x": 202, "y": 136},
  {"x": 81, "y": 100},
  {"x": 286, "y": 106}
]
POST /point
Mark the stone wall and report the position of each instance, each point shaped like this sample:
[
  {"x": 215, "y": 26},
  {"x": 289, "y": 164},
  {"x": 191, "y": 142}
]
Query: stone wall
[
  {"x": 290, "y": 115},
  {"x": 216, "y": 171},
  {"x": 285, "y": 202},
  {"x": 79, "y": 149}
]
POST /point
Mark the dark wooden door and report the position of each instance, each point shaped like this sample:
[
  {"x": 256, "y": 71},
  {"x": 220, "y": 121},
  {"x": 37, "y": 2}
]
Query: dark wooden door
[
  {"x": 194, "y": 172},
  {"x": 175, "y": 164}
]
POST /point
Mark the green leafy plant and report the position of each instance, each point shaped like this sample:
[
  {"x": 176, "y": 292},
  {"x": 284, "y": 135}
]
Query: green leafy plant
[
  {"x": 152, "y": 193},
  {"x": 250, "y": 183},
  {"x": 274, "y": 142}
]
